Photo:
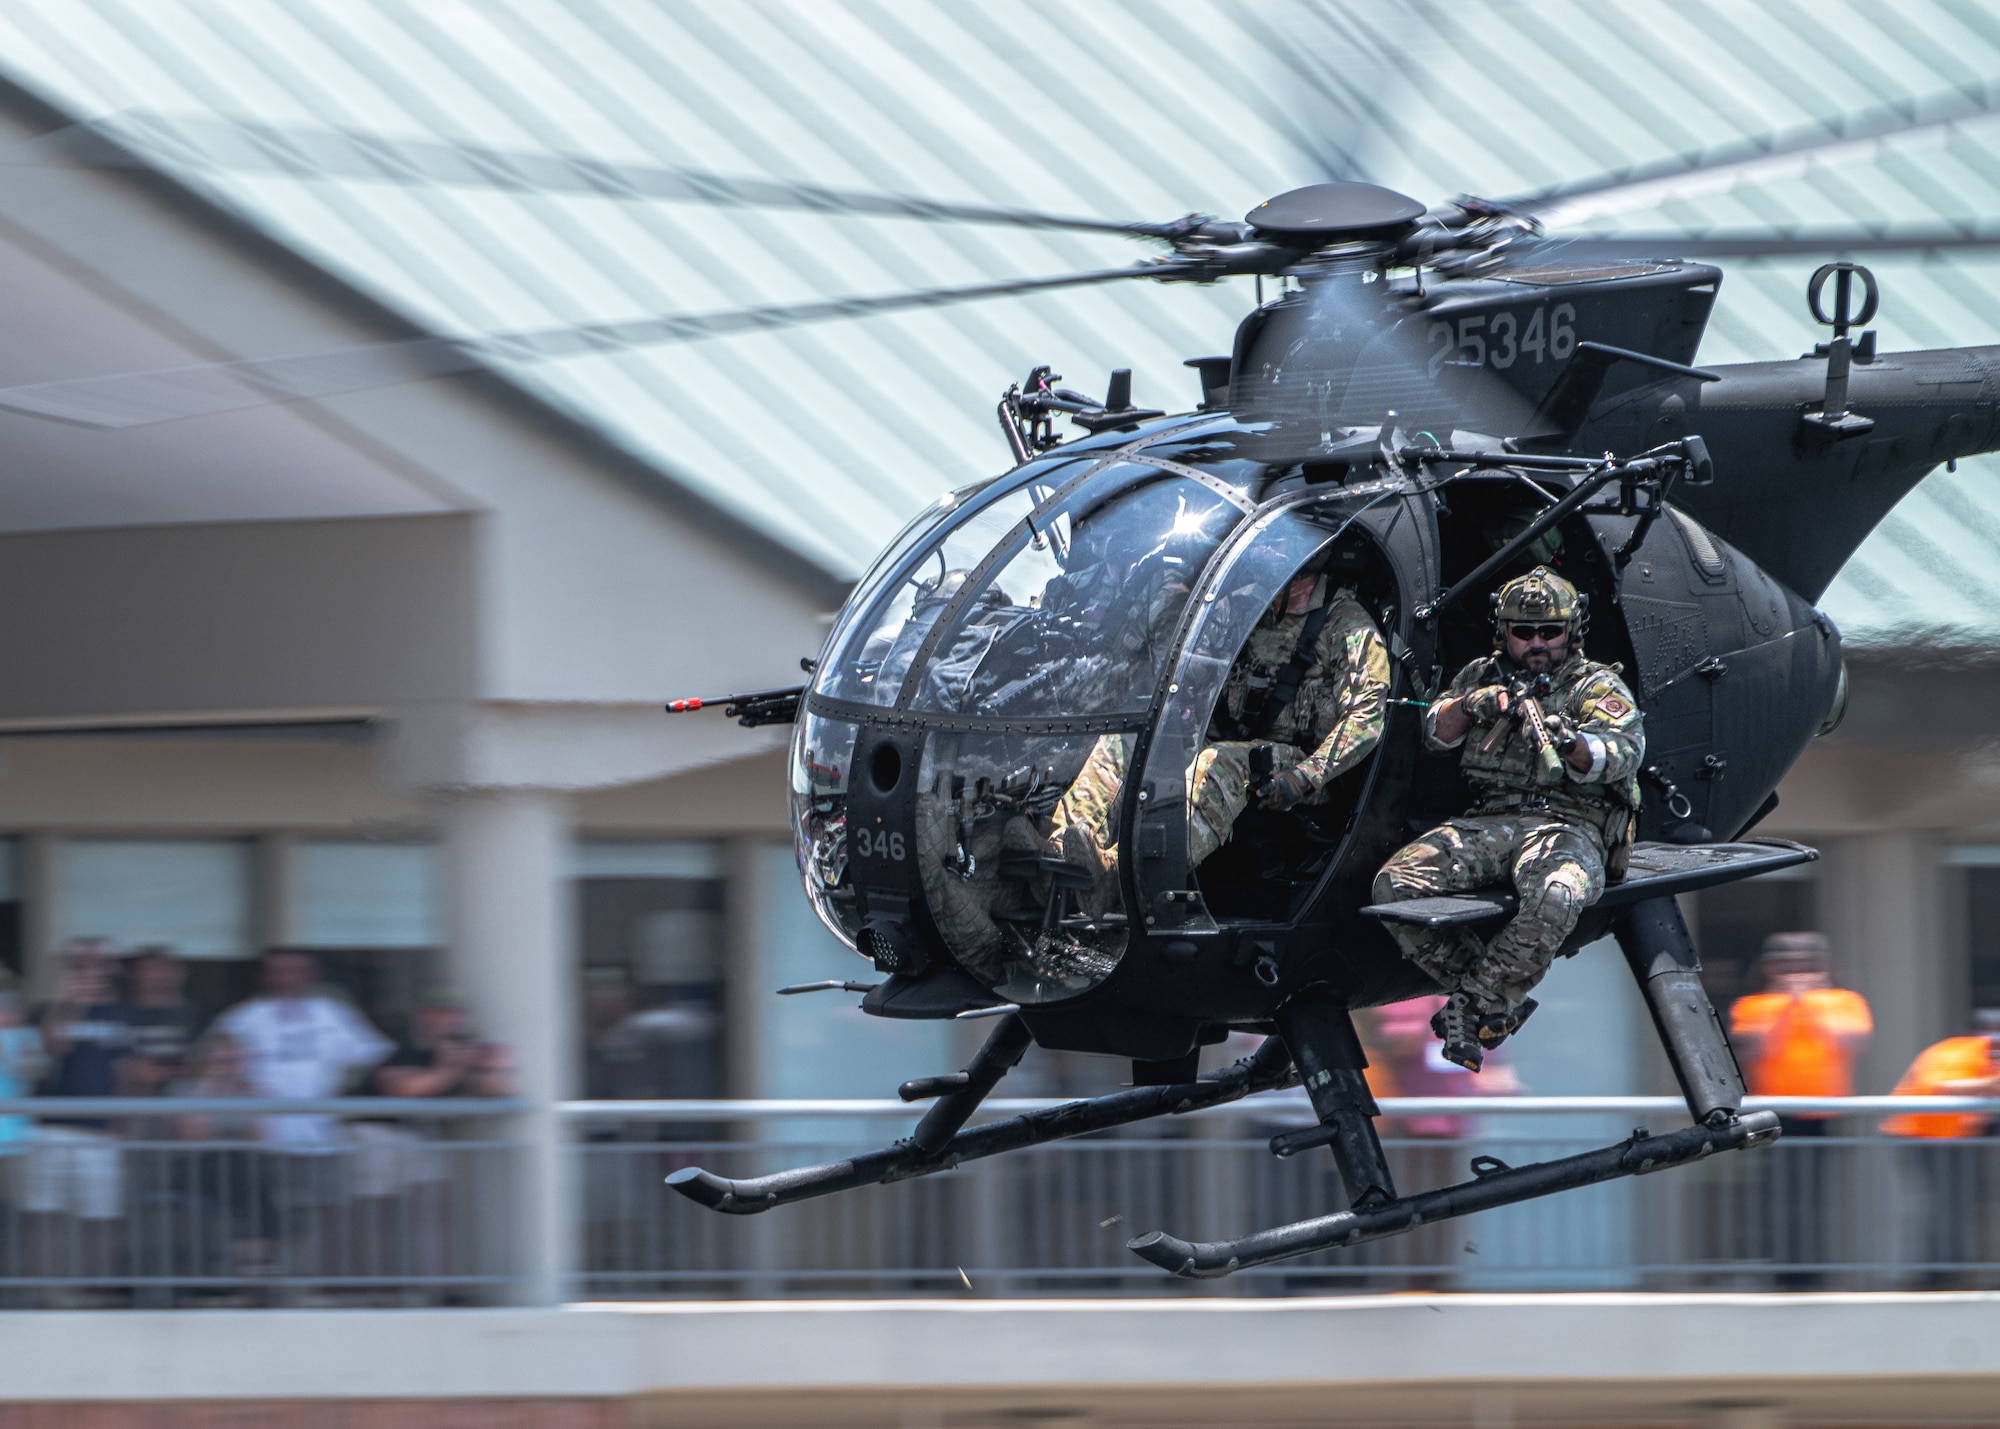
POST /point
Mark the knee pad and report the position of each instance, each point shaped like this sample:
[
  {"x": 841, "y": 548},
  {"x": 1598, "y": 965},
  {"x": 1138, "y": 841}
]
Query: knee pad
[
  {"x": 1408, "y": 874},
  {"x": 1554, "y": 905}
]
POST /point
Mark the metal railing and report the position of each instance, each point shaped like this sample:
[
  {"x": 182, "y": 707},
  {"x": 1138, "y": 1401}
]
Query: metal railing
[
  {"x": 160, "y": 1202},
  {"x": 1837, "y": 1204},
  {"x": 379, "y": 1201}
]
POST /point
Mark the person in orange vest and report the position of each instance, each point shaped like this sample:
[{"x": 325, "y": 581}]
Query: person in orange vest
[
  {"x": 1957, "y": 1176},
  {"x": 1798, "y": 1038},
  {"x": 1800, "y": 1035}
]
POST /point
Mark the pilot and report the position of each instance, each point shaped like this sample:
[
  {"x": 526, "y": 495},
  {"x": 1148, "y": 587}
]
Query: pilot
[
  {"x": 1558, "y": 793},
  {"x": 1310, "y": 682}
]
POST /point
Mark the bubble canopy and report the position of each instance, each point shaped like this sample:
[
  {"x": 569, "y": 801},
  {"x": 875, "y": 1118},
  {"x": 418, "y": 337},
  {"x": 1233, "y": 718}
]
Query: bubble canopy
[{"x": 958, "y": 771}]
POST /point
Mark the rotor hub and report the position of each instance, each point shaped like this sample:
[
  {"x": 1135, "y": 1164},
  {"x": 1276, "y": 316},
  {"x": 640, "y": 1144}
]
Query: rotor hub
[{"x": 1320, "y": 214}]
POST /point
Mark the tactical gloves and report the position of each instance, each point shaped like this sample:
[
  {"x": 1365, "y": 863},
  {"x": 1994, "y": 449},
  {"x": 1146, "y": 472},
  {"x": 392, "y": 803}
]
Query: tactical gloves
[
  {"x": 1287, "y": 789},
  {"x": 1482, "y": 706}
]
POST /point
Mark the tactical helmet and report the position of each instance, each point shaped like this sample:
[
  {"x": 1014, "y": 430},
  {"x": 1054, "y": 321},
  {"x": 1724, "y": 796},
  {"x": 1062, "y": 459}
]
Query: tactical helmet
[{"x": 1540, "y": 597}]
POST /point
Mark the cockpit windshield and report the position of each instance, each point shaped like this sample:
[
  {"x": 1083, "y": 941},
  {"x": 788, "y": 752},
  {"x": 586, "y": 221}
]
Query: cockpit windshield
[
  {"x": 897, "y": 602},
  {"x": 1076, "y": 606}
]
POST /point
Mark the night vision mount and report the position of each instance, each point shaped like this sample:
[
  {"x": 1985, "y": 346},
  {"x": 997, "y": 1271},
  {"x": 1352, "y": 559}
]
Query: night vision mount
[{"x": 1029, "y": 410}]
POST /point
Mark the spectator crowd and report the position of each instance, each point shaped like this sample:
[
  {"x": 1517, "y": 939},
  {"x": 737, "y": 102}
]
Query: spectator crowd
[{"x": 214, "y": 1200}]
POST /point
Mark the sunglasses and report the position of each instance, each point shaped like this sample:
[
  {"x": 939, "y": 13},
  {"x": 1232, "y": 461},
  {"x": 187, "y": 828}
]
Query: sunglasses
[{"x": 1545, "y": 633}]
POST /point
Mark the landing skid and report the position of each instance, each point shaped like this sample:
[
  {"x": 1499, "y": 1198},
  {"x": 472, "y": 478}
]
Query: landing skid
[
  {"x": 938, "y": 1144},
  {"x": 1493, "y": 1184},
  {"x": 1316, "y": 1046}
]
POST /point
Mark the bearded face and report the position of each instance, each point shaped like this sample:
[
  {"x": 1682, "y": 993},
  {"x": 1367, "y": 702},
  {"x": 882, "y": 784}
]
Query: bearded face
[{"x": 1537, "y": 648}]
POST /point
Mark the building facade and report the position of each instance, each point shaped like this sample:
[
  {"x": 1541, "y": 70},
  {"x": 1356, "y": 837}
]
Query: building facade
[{"x": 379, "y": 673}]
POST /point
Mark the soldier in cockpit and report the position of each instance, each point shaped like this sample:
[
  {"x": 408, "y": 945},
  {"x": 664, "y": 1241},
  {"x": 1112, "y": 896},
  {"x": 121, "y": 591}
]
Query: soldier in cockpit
[{"x": 1310, "y": 682}]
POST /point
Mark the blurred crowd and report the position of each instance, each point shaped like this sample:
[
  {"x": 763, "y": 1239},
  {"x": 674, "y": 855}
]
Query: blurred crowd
[
  {"x": 96, "y": 1203},
  {"x": 1798, "y": 1037}
]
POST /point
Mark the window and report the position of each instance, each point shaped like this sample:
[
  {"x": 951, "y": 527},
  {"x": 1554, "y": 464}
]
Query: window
[
  {"x": 365, "y": 895},
  {"x": 191, "y": 894},
  {"x": 372, "y": 912}
]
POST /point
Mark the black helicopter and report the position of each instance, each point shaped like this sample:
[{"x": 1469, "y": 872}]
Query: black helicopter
[
  {"x": 1430, "y": 407},
  {"x": 1432, "y": 403}
]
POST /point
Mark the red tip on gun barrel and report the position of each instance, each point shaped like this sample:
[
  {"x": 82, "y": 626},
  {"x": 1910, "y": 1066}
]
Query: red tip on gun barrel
[{"x": 752, "y": 708}]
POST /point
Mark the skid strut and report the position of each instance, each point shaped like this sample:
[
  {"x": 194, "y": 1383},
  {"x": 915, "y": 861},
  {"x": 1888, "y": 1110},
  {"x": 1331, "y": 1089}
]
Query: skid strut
[
  {"x": 938, "y": 1144},
  {"x": 1662, "y": 958},
  {"x": 1332, "y": 1066}
]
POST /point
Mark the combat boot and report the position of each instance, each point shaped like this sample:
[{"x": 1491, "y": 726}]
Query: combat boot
[
  {"x": 1497, "y": 1027},
  {"x": 1456, "y": 1024}
]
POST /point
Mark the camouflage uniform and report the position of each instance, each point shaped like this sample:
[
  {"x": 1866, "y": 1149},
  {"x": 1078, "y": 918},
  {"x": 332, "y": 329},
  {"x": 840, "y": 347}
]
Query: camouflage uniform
[
  {"x": 1330, "y": 724},
  {"x": 1104, "y": 626},
  {"x": 1549, "y": 829}
]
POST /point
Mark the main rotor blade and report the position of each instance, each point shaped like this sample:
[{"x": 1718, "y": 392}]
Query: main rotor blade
[
  {"x": 1705, "y": 173},
  {"x": 136, "y": 138},
  {"x": 135, "y": 399},
  {"x": 1725, "y": 244}
]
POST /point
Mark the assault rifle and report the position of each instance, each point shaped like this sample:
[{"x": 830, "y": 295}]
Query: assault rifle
[{"x": 1524, "y": 708}]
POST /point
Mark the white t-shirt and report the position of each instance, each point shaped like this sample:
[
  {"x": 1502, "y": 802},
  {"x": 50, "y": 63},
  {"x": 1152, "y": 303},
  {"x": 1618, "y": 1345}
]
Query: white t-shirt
[{"x": 301, "y": 1047}]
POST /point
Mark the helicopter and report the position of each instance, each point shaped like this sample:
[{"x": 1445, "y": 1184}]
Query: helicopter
[
  {"x": 1433, "y": 402},
  {"x": 1423, "y": 436}
]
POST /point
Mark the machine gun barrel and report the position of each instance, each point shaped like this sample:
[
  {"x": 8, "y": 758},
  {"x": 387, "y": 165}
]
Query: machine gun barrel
[
  {"x": 1482, "y": 575},
  {"x": 1688, "y": 454},
  {"x": 750, "y": 709}
]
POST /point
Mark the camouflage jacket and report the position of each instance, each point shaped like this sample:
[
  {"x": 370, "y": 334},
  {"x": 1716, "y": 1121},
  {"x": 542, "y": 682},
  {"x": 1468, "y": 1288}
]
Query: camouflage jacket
[
  {"x": 1336, "y": 715},
  {"x": 1594, "y": 703}
]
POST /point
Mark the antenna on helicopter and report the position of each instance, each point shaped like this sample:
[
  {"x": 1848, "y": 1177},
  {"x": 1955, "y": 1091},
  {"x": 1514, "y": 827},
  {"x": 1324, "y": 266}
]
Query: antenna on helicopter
[{"x": 1833, "y": 421}]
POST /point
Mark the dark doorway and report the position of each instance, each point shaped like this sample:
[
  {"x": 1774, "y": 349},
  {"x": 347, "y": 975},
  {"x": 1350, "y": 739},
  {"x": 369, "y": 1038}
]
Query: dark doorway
[
  {"x": 1731, "y": 923},
  {"x": 653, "y": 986},
  {"x": 1982, "y": 929}
]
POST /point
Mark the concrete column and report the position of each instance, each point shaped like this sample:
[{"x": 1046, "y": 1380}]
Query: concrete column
[
  {"x": 748, "y": 982},
  {"x": 1882, "y": 904},
  {"x": 273, "y": 923},
  {"x": 512, "y": 939}
]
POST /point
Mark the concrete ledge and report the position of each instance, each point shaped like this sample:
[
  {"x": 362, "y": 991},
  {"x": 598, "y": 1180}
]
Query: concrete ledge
[{"x": 1837, "y": 1358}]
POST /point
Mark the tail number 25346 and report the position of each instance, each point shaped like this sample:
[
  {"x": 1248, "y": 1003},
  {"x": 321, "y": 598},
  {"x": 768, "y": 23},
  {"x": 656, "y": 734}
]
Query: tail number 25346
[{"x": 1504, "y": 338}]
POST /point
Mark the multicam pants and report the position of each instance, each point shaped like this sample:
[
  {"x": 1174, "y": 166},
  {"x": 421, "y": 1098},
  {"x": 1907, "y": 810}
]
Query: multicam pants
[
  {"x": 1557, "y": 867},
  {"x": 1218, "y": 791}
]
